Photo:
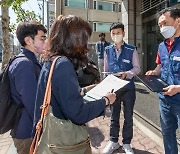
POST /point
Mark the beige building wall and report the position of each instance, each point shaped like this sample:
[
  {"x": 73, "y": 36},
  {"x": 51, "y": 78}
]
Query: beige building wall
[
  {"x": 92, "y": 15},
  {"x": 104, "y": 16},
  {"x": 75, "y": 11}
]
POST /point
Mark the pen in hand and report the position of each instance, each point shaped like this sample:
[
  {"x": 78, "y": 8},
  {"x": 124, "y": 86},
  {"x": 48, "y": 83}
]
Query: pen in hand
[{"x": 111, "y": 92}]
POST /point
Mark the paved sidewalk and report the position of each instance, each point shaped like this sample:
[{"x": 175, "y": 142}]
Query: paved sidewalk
[
  {"x": 6, "y": 144},
  {"x": 99, "y": 134}
]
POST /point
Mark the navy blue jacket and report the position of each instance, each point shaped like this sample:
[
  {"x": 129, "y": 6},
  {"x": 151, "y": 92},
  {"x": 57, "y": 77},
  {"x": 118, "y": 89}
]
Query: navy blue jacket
[
  {"x": 23, "y": 85},
  {"x": 66, "y": 101}
]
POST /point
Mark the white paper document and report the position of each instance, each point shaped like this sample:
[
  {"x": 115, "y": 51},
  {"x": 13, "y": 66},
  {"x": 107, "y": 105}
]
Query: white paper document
[{"x": 109, "y": 83}]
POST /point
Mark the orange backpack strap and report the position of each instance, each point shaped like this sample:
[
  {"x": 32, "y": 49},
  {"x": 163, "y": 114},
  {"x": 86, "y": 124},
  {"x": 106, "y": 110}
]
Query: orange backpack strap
[{"x": 45, "y": 108}]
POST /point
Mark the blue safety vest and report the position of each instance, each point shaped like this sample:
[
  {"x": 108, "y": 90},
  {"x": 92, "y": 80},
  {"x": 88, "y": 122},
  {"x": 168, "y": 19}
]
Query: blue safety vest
[
  {"x": 100, "y": 48},
  {"x": 124, "y": 61},
  {"x": 170, "y": 70}
]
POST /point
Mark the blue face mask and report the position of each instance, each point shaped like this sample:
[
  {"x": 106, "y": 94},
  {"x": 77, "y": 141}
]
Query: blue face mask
[{"x": 168, "y": 31}]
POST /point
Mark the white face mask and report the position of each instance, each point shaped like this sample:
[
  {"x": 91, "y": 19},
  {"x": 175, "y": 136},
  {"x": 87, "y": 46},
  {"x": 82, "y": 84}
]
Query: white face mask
[
  {"x": 117, "y": 38},
  {"x": 168, "y": 31}
]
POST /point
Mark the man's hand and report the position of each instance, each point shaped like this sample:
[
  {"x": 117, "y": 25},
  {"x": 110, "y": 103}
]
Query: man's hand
[
  {"x": 171, "y": 90},
  {"x": 151, "y": 72},
  {"x": 156, "y": 71},
  {"x": 122, "y": 75}
]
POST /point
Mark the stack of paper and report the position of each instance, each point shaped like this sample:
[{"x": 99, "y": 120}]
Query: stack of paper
[{"x": 109, "y": 83}]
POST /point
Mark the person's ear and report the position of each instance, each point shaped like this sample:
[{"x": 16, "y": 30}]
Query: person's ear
[
  {"x": 178, "y": 20},
  {"x": 123, "y": 34},
  {"x": 28, "y": 40}
]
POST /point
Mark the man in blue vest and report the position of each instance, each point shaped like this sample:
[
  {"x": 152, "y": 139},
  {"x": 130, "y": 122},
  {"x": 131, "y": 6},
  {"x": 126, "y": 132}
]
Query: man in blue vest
[
  {"x": 122, "y": 59},
  {"x": 168, "y": 66},
  {"x": 100, "y": 46}
]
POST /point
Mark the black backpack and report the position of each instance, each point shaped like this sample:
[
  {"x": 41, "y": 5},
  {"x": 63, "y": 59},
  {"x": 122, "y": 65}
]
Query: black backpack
[
  {"x": 10, "y": 112},
  {"x": 88, "y": 74}
]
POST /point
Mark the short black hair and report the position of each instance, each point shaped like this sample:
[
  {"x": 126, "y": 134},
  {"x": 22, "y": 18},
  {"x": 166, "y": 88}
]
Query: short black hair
[
  {"x": 117, "y": 25},
  {"x": 102, "y": 34},
  {"x": 31, "y": 29},
  {"x": 174, "y": 12}
]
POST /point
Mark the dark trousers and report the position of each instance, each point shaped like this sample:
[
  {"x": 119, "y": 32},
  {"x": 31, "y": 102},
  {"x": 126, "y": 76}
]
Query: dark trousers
[
  {"x": 22, "y": 145},
  {"x": 128, "y": 99}
]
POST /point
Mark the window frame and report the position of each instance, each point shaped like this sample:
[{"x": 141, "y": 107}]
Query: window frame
[
  {"x": 95, "y": 26},
  {"x": 85, "y": 6},
  {"x": 119, "y": 8},
  {"x": 96, "y": 7}
]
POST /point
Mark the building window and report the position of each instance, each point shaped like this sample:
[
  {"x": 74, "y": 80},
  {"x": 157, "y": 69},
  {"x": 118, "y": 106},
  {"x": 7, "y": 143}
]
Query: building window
[
  {"x": 105, "y": 6},
  {"x": 66, "y": 2},
  {"x": 100, "y": 7},
  {"x": 114, "y": 7},
  {"x": 173, "y": 2},
  {"x": 119, "y": 8},
  {"x": 76, "y": 3},
  {"x": 94, "y": 27},
  {"x": 101, "y": 27},
  {"x": 94, "y": 5}
]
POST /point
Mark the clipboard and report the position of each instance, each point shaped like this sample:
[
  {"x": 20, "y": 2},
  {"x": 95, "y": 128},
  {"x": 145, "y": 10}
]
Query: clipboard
[{"x": 154, "y": 83}]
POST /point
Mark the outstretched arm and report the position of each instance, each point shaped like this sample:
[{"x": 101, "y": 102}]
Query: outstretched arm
[{"x": 171, "y": 90}]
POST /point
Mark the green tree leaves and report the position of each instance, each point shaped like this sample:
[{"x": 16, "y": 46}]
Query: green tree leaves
[{"x": 22, "y": 15}]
